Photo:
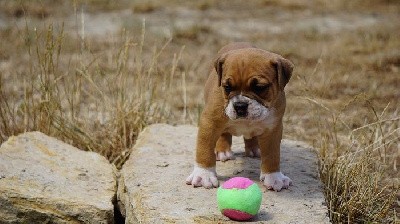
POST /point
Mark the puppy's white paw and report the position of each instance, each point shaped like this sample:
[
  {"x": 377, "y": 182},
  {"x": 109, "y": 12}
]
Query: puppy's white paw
[
  {"x": 275, "y": 181},
  {"x": 255, "y": 152},
  {"x": 224, "y": 156},
  {"x": 203, "y": 177}
]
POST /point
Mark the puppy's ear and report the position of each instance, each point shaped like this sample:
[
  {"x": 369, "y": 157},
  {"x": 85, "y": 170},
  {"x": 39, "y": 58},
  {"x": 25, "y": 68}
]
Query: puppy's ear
[
  {"x": 218, "y": 64},
  {"x": 284, "y": 70}
]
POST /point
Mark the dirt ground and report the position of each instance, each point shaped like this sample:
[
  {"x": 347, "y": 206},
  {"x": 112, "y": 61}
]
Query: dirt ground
[
  {"x": 340, "y": 49},
  {"x": 344, "y": 94}
]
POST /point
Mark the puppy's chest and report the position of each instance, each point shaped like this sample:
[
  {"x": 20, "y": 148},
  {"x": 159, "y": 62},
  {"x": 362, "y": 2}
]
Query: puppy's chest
[{"x": 249, "y": 128}]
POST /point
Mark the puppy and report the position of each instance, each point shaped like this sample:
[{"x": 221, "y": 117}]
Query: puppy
[{"x": 244, "y": 96}]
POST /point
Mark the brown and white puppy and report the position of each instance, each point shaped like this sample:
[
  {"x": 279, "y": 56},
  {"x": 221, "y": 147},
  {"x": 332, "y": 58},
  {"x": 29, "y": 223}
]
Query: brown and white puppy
[{"x": 244, "y": 96}]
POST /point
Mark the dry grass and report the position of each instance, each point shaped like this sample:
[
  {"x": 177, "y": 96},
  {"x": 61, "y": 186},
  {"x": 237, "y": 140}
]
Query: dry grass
[
  {"x": 98, "y": 92},
  {"x": 355, "y": 169},
  {"x": 95, "y": 101}
]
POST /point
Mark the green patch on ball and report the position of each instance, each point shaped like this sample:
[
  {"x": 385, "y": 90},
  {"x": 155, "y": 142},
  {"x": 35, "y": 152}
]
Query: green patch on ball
[{"x": 239, "y": 198}]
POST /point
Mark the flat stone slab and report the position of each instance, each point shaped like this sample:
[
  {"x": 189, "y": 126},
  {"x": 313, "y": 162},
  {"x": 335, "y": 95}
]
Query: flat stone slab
[
  {"x": 152, "y": 185},
  {"x": 43, "y": 180}
]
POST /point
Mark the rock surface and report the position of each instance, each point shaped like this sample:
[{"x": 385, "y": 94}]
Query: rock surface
[
  {"x": 152, "y": 185},
  {"x": 43, "y": 180}
]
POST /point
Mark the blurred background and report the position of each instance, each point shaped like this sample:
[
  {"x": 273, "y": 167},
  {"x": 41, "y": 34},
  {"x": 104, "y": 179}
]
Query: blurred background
[{"x": 94, "y": 73}]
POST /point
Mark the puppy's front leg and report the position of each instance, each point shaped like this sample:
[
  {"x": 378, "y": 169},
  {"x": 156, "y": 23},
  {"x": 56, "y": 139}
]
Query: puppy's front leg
[
  {"x": 271, "y": 176},
  {"x": 204, "y": 173}
]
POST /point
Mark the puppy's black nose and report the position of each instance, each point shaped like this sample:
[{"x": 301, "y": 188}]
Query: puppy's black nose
[{"x": 241, "y": 108}]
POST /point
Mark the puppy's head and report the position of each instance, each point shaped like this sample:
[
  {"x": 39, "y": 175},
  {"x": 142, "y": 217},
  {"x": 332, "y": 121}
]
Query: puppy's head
[{"x": 251, "y": 80}]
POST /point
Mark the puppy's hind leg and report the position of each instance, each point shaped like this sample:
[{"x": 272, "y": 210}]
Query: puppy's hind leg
[
  {"x": 251, "y": 147},
  {"x": 223, "y": 148}
]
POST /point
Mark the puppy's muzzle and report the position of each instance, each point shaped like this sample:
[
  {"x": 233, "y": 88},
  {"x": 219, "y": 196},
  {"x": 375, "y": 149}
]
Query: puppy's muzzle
[{"x": 241, "y": 108}]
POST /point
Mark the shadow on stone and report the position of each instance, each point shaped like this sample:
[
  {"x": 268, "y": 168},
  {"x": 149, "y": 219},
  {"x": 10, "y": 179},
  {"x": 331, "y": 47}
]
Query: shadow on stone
[{"x": 152, "y": 185}]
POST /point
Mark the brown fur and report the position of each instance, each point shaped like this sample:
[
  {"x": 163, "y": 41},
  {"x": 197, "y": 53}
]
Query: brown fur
[{"x": 241, "y": 63}]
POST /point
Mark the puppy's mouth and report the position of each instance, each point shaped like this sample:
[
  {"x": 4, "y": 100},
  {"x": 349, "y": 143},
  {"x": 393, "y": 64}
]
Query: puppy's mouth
[{"x": 244, "y": 108}]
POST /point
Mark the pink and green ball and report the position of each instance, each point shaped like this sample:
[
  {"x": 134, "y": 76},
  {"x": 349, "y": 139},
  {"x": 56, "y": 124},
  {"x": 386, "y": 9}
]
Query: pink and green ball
[{"x": 239, "y": 198}]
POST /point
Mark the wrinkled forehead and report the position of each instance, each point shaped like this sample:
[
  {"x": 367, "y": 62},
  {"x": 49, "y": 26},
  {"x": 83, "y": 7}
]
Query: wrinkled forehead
[{"x": 244, "y": 64}]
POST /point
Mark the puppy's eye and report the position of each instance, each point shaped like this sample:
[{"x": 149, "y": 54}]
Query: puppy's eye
[
  {"x": 227, "y": 88},
  {"x": 260, "y": 88}
]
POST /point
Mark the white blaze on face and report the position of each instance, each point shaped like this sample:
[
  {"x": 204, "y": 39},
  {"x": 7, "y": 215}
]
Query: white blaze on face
[{"x": 255, "y": 110}]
